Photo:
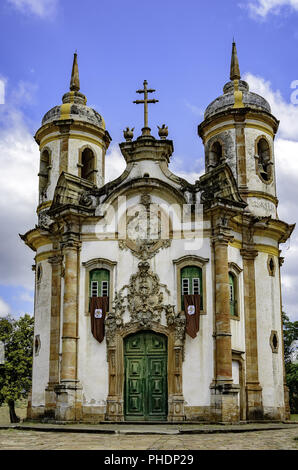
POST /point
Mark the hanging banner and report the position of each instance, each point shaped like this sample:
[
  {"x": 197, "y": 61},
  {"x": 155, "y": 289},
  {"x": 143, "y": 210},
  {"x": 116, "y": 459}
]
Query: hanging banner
[
  {"x": 98, "y": 310},
  {"x": 192, "y": 314}
]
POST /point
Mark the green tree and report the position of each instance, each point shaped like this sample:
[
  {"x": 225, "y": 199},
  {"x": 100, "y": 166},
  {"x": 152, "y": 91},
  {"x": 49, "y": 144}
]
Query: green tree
[
  {"x": 290, "y": 330},
  {"x": 16, "y": 372}
]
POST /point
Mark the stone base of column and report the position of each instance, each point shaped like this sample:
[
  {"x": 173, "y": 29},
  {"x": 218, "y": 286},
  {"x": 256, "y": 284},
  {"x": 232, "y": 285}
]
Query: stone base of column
[
  {"x": 114, "y": 409},
  {"x": 50, "y": 401},
  {"x": 176, "y": 408},
  {"x": 287, "y": 403},
  {"x": 254, "y": 403},
  {"x": 225, "y": 402},
  {"x": 68, "y": 402}
]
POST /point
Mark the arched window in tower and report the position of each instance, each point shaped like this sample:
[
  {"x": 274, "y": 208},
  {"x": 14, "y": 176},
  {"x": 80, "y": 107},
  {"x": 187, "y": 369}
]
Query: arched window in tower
[
  {"x": 215, "y": 154},
  {"x": 191, "y": 283},
  {"x": 233, "y": 294},
  {"x": 263, "y": 160},
  {"x": 44, "y": 174},
  {"x": 88, "y": 165}
]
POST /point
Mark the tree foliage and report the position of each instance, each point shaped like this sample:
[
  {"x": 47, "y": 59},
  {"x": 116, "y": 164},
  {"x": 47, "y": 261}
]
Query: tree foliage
[
  {"x": 16, "y": 372},
  {"x": 290, "y": 330}
]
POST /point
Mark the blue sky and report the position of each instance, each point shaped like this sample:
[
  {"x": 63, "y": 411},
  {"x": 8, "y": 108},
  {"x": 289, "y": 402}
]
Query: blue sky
[{"x": 183, "y": 50}]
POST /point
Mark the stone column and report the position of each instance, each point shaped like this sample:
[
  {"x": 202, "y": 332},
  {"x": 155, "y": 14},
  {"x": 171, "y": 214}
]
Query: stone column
[
  {"x": 64, "y": 128},
  {"x": 224, "y": 396},
  {"x": 50, "y": 395},
  {"x": 69, "y": 391},
  {"x": 254, "y": 407}
]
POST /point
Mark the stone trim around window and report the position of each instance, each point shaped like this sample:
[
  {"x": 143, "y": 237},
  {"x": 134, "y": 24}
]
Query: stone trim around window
[
  {"x": 99, "y": 263},
  {"x": 236, "y": 270},
  {"x": 191, "y": 260},
  {"x": 274, "y": 341},
  {"x": 271, "y": 265}
]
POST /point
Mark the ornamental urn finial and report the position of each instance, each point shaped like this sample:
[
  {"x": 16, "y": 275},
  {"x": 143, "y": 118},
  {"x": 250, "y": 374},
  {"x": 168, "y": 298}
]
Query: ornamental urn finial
[
  {"x": 128, "y": 134},
  {"x": 163, "y": 131}
]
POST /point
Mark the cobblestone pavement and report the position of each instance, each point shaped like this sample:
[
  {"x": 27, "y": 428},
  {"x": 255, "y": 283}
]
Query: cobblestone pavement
[{"x": 11, "y": 439}]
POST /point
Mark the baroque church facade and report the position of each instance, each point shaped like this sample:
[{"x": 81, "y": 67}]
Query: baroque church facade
[{"x": 157, "y": 299}]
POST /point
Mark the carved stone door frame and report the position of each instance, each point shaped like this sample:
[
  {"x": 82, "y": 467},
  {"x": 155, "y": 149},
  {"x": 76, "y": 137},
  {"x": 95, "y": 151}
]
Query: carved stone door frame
[{"x": 115, "y": 355}]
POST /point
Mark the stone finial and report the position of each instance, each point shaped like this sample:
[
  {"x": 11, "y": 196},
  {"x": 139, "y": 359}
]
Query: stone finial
[
  {"x": 128, "y": 134},
  {"x": 75, "y": 80},
  {"x": 234, "y": 71},
  {"x": 163, "y": 131}
]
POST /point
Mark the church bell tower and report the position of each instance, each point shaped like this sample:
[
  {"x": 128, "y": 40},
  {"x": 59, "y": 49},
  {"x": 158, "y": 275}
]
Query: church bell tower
[
  {"x": 239, "y": 129},
  {"x": 72, "y": 139}
]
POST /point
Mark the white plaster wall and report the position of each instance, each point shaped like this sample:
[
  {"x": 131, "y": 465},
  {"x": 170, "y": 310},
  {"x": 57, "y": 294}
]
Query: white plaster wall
[
  {"x": 198, "y": 364},
  {"x": 42, "y": 314},
  {"x": 268, "y": 319}
]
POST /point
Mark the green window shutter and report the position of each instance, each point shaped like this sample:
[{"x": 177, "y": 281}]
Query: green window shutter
[
  {"x": 195, "y": 283},
  {"x": 232, "y": 294},
  {"x": 99, "y": 283}
]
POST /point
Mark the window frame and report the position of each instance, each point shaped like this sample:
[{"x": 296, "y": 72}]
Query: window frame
[
  {"x": 270, "y": 161},
  {"x": 99, "y": 263},
  {"x": 235, "y": 271},
  {"x": 190, "y": 260}
]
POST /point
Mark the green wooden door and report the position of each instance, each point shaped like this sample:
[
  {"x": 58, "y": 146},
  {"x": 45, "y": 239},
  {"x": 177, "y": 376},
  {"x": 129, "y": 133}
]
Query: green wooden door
[{"x": 145, "y": 392}]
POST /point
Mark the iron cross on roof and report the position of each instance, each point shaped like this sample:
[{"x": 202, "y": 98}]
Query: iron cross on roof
[{"x": 146, "y": 129}]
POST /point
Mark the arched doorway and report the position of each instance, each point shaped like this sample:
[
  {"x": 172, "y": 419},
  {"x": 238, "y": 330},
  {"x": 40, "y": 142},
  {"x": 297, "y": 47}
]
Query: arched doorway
[{"x": 145, "y": 384}]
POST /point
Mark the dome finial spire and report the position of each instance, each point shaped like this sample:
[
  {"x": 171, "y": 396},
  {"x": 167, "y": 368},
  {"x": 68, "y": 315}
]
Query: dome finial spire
[
  {"x": 235, "y": 71},
  {"x": 75, "y": 80}
]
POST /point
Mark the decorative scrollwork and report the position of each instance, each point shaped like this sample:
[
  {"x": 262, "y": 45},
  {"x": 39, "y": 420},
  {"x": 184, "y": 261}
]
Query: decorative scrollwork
[{"x": 144, "y": 301}]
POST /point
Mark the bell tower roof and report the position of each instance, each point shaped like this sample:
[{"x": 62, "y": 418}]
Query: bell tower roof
[
  {"x": 236, "y": 92},
  {"x": 74, "y": 103},
  {"x": 234, "y": 71},
  {"x": 75, "y": 79}
]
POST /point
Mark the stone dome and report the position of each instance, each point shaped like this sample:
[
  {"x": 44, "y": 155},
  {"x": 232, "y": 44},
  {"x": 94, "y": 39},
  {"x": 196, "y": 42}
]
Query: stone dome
[
  {"x": 74, "y": 104},
  {"x": 78, "y": 112},
  {"x": 227, "y": 100}
]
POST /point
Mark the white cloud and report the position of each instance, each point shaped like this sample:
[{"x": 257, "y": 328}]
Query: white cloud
[
  {"x": 18, "y": 196},
  {"x": 286, "y": 112},
  {"x": 261, "y": 8},
  {"x": 4, "y": 308},
  {"x": 115, "y": 163},
  {"x": 2, "y": 90},
  {"x": 177, "y": 166},
  {"x": 194, "y": 109},
  {"x": 41, "y": 8}
]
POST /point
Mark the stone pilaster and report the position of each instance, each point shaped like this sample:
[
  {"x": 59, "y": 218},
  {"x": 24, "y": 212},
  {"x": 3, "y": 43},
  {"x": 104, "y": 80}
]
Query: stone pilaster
[
  {"x": 50, "y": 395},
  {"x": 64, "y": 128},
  {"x": 287, "y": 411},
  {"x": 241, "y": 152},
  {"x": 224, "y": 396},
  {"x": 254, "y": 406},
  {"x": 69, "y": 391}
]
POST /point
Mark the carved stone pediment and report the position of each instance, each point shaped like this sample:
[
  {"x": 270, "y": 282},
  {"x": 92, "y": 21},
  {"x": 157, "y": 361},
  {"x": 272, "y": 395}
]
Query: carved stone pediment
[
  {"x": 220, "y": 184},
  {"x": 144, "y": 234},
  {"x": 74, "y": 191}
]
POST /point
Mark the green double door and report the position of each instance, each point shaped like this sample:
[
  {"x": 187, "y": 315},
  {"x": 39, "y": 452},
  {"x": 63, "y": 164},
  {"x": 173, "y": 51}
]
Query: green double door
[{"x": 145, "y": 392}]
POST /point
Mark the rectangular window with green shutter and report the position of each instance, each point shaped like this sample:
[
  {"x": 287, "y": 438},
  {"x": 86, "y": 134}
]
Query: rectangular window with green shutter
[
  {"x": 191, "y": 283},
  {"x": 99, "y": 283}
]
